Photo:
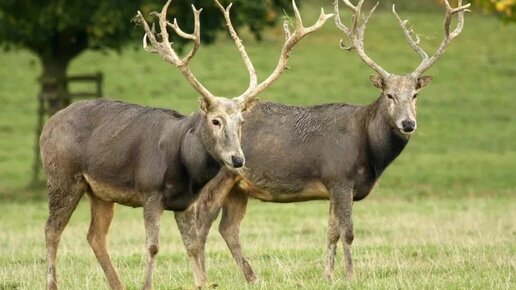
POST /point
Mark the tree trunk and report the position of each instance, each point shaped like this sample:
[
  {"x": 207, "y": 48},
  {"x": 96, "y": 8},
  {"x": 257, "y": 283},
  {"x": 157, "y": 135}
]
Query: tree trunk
[
  {"x": 53, "y": 97},
  {"x": 54, "y": 88},
  {"x": 55, "y": 56}
]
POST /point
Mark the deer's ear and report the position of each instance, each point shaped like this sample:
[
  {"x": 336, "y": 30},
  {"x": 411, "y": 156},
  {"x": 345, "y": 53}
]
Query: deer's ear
[
  {"x": 248, "y": 106},
  {"x": 423, "y": 82},
  {"x": 204, "y": 104},
  {"x": 377, "y": 81}
]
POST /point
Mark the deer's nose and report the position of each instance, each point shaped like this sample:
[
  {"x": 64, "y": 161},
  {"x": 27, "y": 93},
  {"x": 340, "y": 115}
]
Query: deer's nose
[
  {"x": 408, "y": 125},
  {"x": 237, "y": 161}
]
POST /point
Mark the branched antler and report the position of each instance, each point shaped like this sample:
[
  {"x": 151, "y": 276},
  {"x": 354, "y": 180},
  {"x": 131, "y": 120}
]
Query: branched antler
[
  {"x": 356, "y": 31},
  {"x": 253, "y": 80},
  {"x": 164, "y": 48},
  {"x": 410, "y": 35},
  {"x": 427, "y": 62},
  {"x": 160, "y": 44},
  {"x": 291, "y": 38}
]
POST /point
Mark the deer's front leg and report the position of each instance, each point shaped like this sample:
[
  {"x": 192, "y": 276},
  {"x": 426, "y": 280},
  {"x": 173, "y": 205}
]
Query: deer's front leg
[
  {"x": 342, "y": 199},
  {"x": 186, "y": 223},
  {"x": 232, "y": 215},
  {"x": 152, "y": 210},
  {"x": 209, "y": 204}
]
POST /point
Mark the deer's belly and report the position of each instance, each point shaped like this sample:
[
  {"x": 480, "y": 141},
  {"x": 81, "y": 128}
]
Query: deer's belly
[
  {"x": 309, "y": 191},
  {"x": 108, "y": 192}
]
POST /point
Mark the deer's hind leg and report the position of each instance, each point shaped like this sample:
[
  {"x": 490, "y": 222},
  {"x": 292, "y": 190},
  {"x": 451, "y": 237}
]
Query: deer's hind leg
[
  {"x": 64, "y": 195},
  {"x": 101, "y": 216},
  {"x": 332, "y": 239}
]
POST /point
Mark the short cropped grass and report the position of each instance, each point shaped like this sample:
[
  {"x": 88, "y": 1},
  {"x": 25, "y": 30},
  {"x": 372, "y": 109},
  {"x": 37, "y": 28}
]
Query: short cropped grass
[
  {"x": 400, "y": 244},
  {"x": 442, "y": 216}
]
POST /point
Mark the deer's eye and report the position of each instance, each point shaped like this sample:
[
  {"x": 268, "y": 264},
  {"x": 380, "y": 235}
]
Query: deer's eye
[
  {"x": 390, "y": 97},
  {"x": 414, "y": 97},
  {"x": 215, "y": 122}
]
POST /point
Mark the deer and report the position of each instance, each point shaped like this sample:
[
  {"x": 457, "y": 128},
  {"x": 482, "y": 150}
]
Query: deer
[
  {"x": 144, "y": 157},
  {"x": 334, "y": 152}
]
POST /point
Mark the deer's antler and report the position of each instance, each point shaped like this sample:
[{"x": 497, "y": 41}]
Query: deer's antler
[
  {"x": 413, "y": 39},
  {"x": 355, "y": 32},
  {"x": 163, "y": 47},
  {"x": 291, "y": 38}
]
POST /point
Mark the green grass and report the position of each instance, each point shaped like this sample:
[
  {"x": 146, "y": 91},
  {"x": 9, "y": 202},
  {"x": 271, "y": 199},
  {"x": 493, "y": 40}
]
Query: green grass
[
  {"x": 425, "y": 244},
  {"x": 443, "y": 215}
]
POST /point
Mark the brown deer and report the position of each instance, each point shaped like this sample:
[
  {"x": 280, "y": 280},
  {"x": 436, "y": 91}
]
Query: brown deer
[
  {"x": 153, "y": 158},
  {"x": 331, "y": 151}
]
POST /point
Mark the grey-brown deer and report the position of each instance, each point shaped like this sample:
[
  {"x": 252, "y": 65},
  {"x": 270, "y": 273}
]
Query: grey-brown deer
[
  {"x": 331, "y": 151},
  {"x": 158, "y": 159}
]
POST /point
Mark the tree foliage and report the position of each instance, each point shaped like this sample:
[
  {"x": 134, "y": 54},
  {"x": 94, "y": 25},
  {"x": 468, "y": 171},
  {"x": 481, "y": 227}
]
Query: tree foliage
[
  {"x": 67, "y": 27},
  {"x": 505, "y": 9},
  {"x": 64, "y": 28},
  {"x": 255, "y": 14}
]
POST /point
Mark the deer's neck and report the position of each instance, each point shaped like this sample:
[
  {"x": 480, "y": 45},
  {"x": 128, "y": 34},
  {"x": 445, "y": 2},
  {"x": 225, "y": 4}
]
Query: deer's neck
[
  {"x": 384, "y": 143},
  {"x": 196, "y": 152}
]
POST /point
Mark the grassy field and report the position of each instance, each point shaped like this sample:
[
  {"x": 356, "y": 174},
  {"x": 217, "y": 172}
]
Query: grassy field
[
  {"x": 442, "y": 217},
  {"x": 425, "y": 244}
]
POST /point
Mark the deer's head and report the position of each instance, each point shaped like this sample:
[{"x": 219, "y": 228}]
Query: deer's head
[
  {"x": 222, "y": 117},
  {"x": 399, "y": 92},
  {"x": 222, "y": 129},
  {"x": 399, "y": 97}
]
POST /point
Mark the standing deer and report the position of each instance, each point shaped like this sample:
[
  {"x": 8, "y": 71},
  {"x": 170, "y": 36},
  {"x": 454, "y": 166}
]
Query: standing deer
[
  {"x": 153, "y": 158},
  {"x": 331, "y": 151}
]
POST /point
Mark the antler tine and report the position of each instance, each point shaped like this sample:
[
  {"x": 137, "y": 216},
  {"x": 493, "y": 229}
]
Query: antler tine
[
  {"x": 164, "y": 47},
  {"x": 409, "y": 34},
  {"x": 357, "y": 10},
  {"x": 291, "y": 39},
  {"x": 356, "y": 32},
  {"x": 299, "y": 20},
  {"x": 354, "y": 20},
  {"x": 253, "y": 79},
  {"x": 146, "y": 45},
  {"x": 448, "y": 37}
]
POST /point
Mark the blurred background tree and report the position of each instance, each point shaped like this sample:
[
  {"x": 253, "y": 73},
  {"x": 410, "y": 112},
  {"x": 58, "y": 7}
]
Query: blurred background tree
[
  {"x": 57, "y": 31},
  {"x": 505, "y": 9}
]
